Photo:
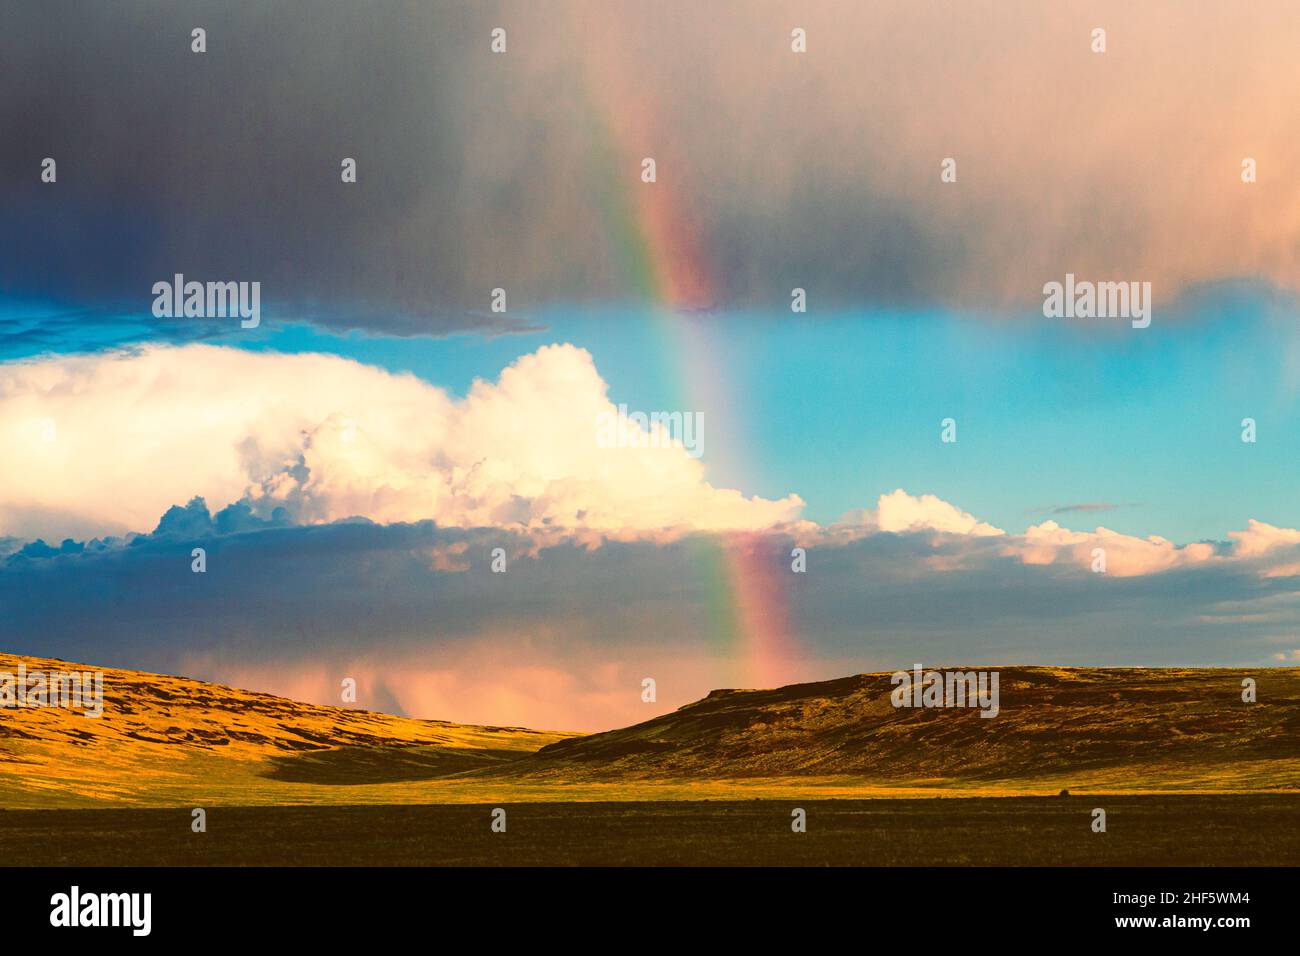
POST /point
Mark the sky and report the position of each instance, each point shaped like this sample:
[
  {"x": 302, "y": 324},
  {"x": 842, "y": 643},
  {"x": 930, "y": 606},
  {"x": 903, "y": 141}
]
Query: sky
[{"x": 350, "y": 466}]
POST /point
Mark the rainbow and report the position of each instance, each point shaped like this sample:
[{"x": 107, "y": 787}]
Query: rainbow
[{"x": 657, "y": 248}]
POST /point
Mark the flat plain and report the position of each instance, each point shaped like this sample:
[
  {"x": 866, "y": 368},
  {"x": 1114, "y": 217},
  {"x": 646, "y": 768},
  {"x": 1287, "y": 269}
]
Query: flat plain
[{"x": 1164, "y": 830}]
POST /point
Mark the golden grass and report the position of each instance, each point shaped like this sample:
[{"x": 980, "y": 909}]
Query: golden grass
[{"x": 169, "y": 741}]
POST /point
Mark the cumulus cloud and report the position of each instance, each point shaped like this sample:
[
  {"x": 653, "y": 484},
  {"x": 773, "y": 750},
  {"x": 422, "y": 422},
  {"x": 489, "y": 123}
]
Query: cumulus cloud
[
  {"x": 107, "y": 442},
  {"x": 1272, "y": 550},
  {"x": 1125, "y": 555},
  {"x": 1261, "y": 538},
  {"x": 899, "y": 512}
]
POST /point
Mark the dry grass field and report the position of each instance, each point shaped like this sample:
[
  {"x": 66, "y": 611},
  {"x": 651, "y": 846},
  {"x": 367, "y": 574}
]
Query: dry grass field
[
  {"x": 1155, "y": 829},
  {"x": 1187, "y": 772}
]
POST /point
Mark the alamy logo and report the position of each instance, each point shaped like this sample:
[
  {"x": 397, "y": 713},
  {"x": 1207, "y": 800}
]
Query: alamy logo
[
  {"x": 103, "y": 909},
  {"x": 1098, "y": 300},
  {"x": 74, "y": 690},
  {"x": 208, "y": 300},
  {"x": 624, "y": 429},
  {"x": 946, "y": 689}
]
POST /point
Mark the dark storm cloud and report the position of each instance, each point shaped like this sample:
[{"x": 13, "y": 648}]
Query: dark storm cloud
[
  {"x": 475, "y": 171},
  {"x": 227, "y": 164},
  {"x": 522, "y": 170}
]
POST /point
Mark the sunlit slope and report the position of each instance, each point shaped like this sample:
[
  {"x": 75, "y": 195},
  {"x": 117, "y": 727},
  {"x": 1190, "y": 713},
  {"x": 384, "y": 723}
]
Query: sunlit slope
[
  {"x": 172, "y": 742},
  {"x": 168, "y": 740},
  {"x": 1118, "y": 729}
]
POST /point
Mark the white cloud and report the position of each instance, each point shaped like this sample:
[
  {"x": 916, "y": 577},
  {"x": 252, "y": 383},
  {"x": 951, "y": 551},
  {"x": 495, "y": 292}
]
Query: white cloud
[
  {"x": 1126, "y": 556},
  {"x": 329, "y": 438},
  {"x": 1049, "y": 543},
  {"x": 1260, "y": 538},
  {"x": 901, "y": 513},
  {"x": 103, "y": 444}
]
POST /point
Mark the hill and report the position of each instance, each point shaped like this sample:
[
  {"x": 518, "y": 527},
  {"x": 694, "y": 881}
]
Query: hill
[
  {"x": 1057, "y": 727},
  {"x": 165, "y": 740},
  {"x": 170, "y": 741}
]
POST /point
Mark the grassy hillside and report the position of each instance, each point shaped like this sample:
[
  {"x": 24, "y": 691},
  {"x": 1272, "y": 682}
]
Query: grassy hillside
[
  {"x": 1117, "y": 728},
  {"x": 172, "y": 741},
  {"x": 169, "y": 741}
]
